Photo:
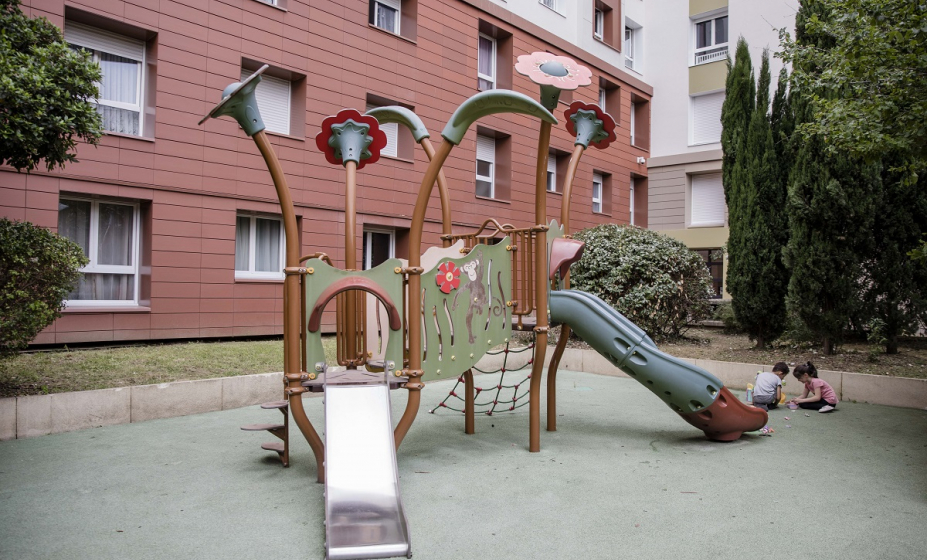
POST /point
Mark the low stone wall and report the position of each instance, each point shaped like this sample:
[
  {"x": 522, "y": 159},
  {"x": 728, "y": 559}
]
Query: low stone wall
[{"x": 39, "y": 415}]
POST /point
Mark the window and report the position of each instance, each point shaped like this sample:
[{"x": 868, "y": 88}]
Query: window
[
  {"x": 631, "y": 200},
  {"x": 273, "y": 97},
  {"x": 598, "y": 25},
  {"x": 392, "y": 136},
  {"x": 629, "y": 47},
  {"x": 633, "y": 123},
  {"x": 122, "y": 62},
  {"x": 386, "y": 14},
  {"x": 552, "y": 172},
  {"x": 597, "y": 183},
  {"x": 705, "y": 119},
  {"x": 552, "y": 4},
  {"x": 710, "y": 40},
  {"x": 486, "y": 68},
  {"x": 379, "y": 246},
  {"x": 707, "y": 200},
  {"x": 259, "y": 246},
  {"x": 485, "y": 163},
  {"x": 108, "y": 232},
  {"x": 714, "y": 260}
]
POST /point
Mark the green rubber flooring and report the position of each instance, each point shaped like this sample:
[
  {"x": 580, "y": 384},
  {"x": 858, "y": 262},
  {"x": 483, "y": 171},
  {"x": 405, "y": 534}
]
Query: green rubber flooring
[{"x": 623, "y": 477}]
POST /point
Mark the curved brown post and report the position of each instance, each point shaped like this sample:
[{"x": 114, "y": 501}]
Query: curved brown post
[
  {"x": 443, "y": 192},
  {"x": 415, "y": 289},
  {"x": 578, "y": 150},
  {"x": 354, "y": 283},
  {"x": 291, "y": 312},
  {"x": 540, "y": 291}
]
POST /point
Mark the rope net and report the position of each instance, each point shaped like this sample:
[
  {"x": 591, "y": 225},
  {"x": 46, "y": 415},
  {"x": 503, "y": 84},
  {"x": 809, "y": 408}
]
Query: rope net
[{"x": 494, "y": 394}]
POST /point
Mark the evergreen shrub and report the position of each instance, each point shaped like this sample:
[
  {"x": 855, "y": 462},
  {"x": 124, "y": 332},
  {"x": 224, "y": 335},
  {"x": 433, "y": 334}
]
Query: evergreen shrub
[
  {"x": 38, "y": 269},
  {"x": 650, "y": 278}
]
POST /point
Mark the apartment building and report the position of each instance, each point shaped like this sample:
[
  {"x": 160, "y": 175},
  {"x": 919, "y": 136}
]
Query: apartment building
[
  {"x": 180, "y": 222},
  {"x": 686, "y": 46}
]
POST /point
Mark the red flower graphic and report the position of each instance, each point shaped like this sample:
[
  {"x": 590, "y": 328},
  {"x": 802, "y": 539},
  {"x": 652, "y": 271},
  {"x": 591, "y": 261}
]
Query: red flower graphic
[
  {"x": 448, "y": 277},
  {"x": 606, "y": 133},
  {"x": 379, "y": 137}
]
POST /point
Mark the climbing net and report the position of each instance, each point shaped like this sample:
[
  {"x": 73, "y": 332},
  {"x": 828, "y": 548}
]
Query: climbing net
[{"x": 494, "y": 399}]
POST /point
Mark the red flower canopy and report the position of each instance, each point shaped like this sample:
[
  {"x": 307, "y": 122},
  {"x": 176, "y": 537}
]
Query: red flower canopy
[
  {"x": 549, "y": 69},
  {"x": 606, "y": 133},
  {"x": 323, "y": 139}
]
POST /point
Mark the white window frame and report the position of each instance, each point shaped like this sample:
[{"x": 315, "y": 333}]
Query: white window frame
[
  {"x": 552, "y": 5},
  {"x": 598, "y": 24},
  {"x": 598, "y": 183},
  {"x": 368, "y": 238},
  {"x": 491, "y": 178},
  {"x": 92, "y": 247},
  {"x": 489, "y": 78},
  {"x": 698, "y": 189},
  {"x": 628, "y": 46},
  {"x": 552, "y": 172},
  {"x": 712, "y": 52},
  {"x": 393, "y": 5},
  {"x": 99, "y": 40},
  {"x": 270, "y": 95},
  {"x": 603, "y": 94},
  {"x": 251, "y": 273},
  {"x": 694, "y": 126}
]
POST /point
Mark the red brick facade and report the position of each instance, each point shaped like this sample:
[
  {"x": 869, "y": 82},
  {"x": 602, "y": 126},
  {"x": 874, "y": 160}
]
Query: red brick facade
[{"x": 191, "y": 181}]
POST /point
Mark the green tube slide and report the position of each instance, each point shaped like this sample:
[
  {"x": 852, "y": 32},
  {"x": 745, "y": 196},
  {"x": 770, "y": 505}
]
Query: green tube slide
[{"x": 695, "y": 394}]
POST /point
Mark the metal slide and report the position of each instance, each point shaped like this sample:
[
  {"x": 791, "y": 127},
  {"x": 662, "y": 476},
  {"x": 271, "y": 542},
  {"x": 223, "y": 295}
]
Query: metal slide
[
  {"x": 363, "y": 508},
  {"x": 696, "y": 395}
]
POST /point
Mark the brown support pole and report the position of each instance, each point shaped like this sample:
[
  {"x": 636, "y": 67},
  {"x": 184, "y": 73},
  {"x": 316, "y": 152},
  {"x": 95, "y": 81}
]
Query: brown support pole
[
  {"x": 350, "y": 260},
  {"x": 540, "y": 289},
  {"x": 291, "y": 313},
  {"x": 415, "y": 293},
  {"x": 564, "y": 283},
  {"x": 469, "y": 403},
  {"x": 443, "y": 192}
]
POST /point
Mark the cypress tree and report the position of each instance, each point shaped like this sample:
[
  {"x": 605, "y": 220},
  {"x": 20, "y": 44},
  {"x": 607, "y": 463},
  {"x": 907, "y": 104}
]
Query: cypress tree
[
  {"x": 831, "y": 200},
  {"x": 757, "y": 278}
]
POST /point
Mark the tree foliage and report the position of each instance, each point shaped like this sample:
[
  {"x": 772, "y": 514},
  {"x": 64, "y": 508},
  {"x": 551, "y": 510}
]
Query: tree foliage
[
  {"x": 652, "y": 279},
  {"x": 44, "y": 91},
  {"x": 754, "y": 190},
  {"x": 38, "y": 269},
  {"x": 865, "y": 75}
]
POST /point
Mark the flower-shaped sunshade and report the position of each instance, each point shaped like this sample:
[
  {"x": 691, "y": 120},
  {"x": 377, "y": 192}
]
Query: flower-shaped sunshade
[
  {"x": 351, "y": 136},
  {"x": 548, "y": 69},
  {"x": 594, "y": 126}
]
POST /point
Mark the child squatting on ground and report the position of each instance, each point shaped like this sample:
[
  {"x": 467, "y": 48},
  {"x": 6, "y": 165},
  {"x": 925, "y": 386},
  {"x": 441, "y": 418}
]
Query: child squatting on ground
[
  {"x": 818, "y": 394},
  {"x": 768, "y": 390}
]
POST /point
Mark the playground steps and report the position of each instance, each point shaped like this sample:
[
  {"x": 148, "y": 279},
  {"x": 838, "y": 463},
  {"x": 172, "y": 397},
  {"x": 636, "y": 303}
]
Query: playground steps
[{"x": 282, "y": 431}]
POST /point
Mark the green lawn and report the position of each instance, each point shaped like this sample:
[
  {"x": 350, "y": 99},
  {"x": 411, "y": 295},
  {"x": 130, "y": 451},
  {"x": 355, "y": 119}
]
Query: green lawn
[{"x": 60, "y": 371}]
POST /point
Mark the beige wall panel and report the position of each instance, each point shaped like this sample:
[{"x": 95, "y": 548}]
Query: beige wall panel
[
  {"x": 707, "y": 77},
  {"x": 702, "y": 6}
]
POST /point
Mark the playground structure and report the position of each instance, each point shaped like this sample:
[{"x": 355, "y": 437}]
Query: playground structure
[{"x": 435, "y": 316}]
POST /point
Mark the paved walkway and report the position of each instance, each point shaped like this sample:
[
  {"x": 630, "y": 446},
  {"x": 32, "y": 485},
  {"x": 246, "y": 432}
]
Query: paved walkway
[{"x": 623, "y": 477}]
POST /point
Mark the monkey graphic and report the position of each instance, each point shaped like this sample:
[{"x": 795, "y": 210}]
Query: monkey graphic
[{"x": 476, "y": 290}]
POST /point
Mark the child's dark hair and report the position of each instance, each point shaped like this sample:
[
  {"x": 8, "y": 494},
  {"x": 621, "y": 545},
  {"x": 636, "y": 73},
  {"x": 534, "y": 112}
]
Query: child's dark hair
[
  {"x": 781, "y": 366},
  {"x": 805, "y": 368}
]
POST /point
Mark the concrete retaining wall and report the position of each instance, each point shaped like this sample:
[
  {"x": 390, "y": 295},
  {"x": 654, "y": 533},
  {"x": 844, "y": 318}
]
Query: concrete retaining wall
[{"x": 39, "y": 415}]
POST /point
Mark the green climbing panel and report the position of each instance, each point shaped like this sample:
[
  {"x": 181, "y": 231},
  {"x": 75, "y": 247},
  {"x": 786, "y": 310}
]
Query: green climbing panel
[
  {"x": 467, "y": 309},
  {"x": 388, "y": 276}
]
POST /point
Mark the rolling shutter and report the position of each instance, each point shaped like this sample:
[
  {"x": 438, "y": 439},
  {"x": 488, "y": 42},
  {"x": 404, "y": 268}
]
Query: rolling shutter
[
  {"x": 273, "y": 99},
  {"x": 708, "y": 206},
  {"x": 706, "y": 118}
]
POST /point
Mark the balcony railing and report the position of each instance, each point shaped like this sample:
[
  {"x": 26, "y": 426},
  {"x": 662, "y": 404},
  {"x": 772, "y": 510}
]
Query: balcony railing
[{"x": 710, "y": 55}]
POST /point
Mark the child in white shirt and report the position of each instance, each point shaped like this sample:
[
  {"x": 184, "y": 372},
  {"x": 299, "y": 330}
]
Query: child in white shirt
[{"x": 768, "y": 387}]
